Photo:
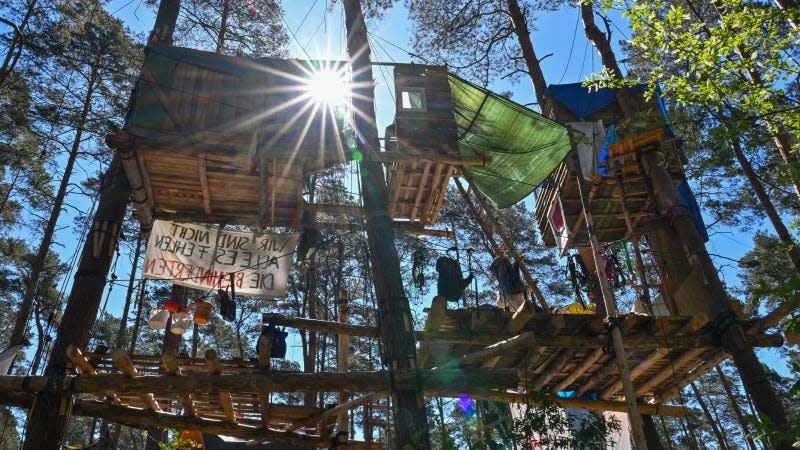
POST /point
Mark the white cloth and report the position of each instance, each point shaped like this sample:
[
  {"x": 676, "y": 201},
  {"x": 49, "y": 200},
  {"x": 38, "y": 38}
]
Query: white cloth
[
  {"x": 512, "y": 302},
  {"x": 589, "y": 144}
]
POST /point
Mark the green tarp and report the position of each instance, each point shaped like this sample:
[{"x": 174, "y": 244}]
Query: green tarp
[{"x": 525, "y": 147}]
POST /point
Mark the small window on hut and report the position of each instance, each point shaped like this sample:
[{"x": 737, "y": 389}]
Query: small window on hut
[{"x": 413, "y": 99}]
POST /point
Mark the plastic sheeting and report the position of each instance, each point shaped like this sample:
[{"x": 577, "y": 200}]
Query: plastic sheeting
[{"x": 525, "y": 146}]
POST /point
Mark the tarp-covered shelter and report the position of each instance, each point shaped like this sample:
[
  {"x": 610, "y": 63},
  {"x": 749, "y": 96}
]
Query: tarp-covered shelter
[{"x": 524, "y": 146}]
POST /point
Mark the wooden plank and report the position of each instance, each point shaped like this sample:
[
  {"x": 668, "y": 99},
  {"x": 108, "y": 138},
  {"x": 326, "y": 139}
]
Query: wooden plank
[
  {"x": 697, "y": 322},
  {"x": 224, "y": 396},
  {"x": 426, "y": 213},
  {"x": 675, "y": 364},
  {"x": 580, "y": 370},
  {"x": 508, "y": 345},
  {"x": 201, "y": 168},
  {"x": 420, "y": 190},
  {"x": 322, "y": 326}
]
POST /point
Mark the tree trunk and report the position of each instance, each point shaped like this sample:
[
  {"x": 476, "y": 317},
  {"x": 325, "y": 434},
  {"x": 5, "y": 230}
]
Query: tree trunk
[
  {"x": 711, "y": 422},
  {"x": 766, "y": 202},
  {"x": 172, "y": 341},
  {"x": 123, "y": 322},
  {"x": 396, "y": 324},
  {"x": 310, "y": 356},
  {"x": 10, "y": 59},
  {"x": 138, "y": 321},
  {"x": 11, "y": 187},
  {"x": 37, "y": 265},
  {"x": 703, "y": 282},
  {"x": 50, "y": 411},
  {"x": 650, "y": 433},
  {"x": 736, "y": 409},
  {"x": 520, "y": 26},
  {"x": 223, "y": 26}
]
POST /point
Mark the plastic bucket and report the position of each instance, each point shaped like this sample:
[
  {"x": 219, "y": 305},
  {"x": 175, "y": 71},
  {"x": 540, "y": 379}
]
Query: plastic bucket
[
  {"x": 158, "y": 318},
  {"x": 180, "y": 322},
  {"x": 202, "y": 310}
]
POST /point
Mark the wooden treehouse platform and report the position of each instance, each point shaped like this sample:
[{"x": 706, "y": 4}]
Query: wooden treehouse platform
[
  {"x": 573, "y": 352},
  {"x": 622, "y": 188}
]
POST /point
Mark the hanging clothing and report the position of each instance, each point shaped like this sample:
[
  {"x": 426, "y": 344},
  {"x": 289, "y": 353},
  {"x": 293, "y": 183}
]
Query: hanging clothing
[
  {"x": 7, "y": 357},
  {"x": 511, "y": 295},
  {"x": 450, "y": 284}
]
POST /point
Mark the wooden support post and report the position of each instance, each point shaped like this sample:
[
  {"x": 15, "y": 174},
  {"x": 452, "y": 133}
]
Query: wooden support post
[
  {"x": 170, "y": 364},
  {"x": 203, "y": 173},
  {"x": 48, "y": 417},
  {"x": 396, "y": 324},
  {"x": 224, "y": 396},
  {"x": 123, "y": 362},
  {"x": 637, "y": 426},
  {"x": 264, "y": 349},
  {"x": 342, "y": 356}
]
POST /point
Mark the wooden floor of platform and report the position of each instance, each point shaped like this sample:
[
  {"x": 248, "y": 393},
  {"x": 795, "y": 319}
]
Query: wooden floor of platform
[{"x": 573, "y": 352}]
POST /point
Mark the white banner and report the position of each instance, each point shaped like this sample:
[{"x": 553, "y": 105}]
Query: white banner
[{"x": 204, "y": 257}]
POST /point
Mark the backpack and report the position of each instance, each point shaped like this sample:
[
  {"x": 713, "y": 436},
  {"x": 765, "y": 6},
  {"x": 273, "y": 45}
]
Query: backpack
[{"x": 450, "y": 284}]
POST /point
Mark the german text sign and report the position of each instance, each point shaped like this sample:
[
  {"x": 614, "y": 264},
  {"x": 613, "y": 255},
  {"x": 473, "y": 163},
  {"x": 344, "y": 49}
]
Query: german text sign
[{"x": 200, "y": 257}]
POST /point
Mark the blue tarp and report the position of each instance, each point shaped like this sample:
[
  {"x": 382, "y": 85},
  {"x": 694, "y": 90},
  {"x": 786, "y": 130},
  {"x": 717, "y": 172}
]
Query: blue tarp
[
  {"x": 583, "y": 101},
  {"x": 686, "y": 194}
]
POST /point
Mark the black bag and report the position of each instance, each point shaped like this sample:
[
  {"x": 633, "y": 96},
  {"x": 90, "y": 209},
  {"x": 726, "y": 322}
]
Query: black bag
[{"x": 450, "y": 285}]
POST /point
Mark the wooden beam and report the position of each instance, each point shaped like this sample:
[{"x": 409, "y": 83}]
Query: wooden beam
[
  {"x": 123, "y": 363},
  {"x": 77, "y": 358},
  {"x": 697, "y": 322},
  {"x": 344, "y": 407},
  {"x": 553, "y": 368},
  {"x": 143, "y": 418},
  {"x": 321, "y": 326},
  {"x": 675, "y": 364},
  {"x": 684, "y": 379},
  {"x": 352, "y": 210},
  {"x": 580, "y": 370},
  {"x": 632, "y": 342},
  {"x": 427, "y": 210},
  {"x": 508, "y": 345},
  {"x": 264, "y": 349},
  {"x": 452, "y": 160},
  {"x": 275, "y": 381}
]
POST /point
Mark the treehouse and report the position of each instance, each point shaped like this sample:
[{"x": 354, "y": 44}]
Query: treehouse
[
  {"x": 609, "y": 152},
  {"x": 217, "y": 138}
]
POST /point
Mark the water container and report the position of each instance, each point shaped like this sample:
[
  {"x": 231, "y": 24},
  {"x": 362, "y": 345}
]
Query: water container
[
  {"x": 201, "y": 312},
  {"x": 180, "y": 322},
  {"x": 158, "y": 318},
  {"x": 172, "y": 306}
]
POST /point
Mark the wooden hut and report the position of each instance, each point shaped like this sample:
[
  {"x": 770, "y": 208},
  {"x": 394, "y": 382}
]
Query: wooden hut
[
  {"x": 226, "y": 139},
  {"x": 618, "y": 193}
]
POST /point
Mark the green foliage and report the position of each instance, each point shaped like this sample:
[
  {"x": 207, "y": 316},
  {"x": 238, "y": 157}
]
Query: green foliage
[{"x": 551, "y": 427}]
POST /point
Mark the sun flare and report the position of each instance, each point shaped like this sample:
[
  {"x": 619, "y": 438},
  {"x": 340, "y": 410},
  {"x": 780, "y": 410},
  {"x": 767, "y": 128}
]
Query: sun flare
[{"x": 329, "y": 87}]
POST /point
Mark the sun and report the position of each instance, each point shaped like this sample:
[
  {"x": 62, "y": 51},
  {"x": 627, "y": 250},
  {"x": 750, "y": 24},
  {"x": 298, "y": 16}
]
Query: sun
[{"x": 329, "y": 87}]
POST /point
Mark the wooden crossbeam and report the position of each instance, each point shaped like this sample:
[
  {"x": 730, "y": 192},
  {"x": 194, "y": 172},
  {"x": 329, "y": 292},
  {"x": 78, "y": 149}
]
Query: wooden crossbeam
[
  {"x": 321, "y": 326},
  {"x": 632, "y": 342},
  {"x": 316, "y": 418},
  {"x": 257, "y": 383},
  {"x": 86, "y": 369},
  {"x": 523, "y": 340},
  {"x": 580, "y": 370},
  {"x": 123, "y": 362}
]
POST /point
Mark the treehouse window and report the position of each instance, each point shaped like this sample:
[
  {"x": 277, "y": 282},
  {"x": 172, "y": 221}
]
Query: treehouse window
[{"x": 413, "y": 99}]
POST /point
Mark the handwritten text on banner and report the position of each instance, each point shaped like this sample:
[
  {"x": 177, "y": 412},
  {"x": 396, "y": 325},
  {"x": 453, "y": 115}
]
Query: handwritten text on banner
[{"x": 199, "y": 257}]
